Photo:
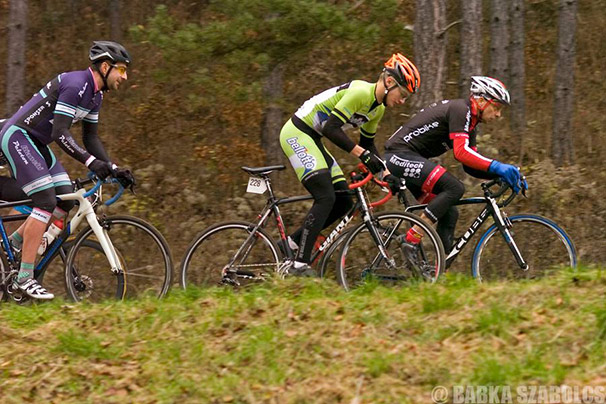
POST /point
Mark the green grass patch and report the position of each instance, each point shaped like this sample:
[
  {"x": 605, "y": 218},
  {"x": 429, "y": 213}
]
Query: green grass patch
[{"x": 302, "y": 340}]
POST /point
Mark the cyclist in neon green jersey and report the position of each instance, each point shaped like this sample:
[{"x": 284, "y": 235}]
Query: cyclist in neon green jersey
[{"x": 357, "y": 104}]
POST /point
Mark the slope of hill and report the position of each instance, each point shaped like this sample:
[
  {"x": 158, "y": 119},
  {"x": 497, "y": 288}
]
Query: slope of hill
[{"x": 303, "y": 341}]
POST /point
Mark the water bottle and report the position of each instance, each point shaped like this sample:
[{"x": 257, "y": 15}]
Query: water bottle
[{"x": 50, "y": 235}]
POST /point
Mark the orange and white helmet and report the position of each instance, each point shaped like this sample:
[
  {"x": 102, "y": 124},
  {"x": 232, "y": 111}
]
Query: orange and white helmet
[
  {"x": 489, "y": 88},
  {"x": 403, "y": 71}
]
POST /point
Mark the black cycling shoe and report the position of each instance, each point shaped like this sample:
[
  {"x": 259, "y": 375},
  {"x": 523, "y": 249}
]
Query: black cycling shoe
[{"x": 412, "y": 252}]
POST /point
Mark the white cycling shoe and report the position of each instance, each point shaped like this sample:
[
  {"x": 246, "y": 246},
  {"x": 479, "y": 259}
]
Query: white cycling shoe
[{"x": 33, "y": 289}]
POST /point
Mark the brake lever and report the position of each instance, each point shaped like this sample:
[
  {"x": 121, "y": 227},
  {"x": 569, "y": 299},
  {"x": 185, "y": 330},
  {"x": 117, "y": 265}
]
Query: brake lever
[{"x": 522, "y": 181}]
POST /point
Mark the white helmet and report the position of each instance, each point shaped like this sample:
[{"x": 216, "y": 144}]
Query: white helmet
[{"x": 489, "y": 88}]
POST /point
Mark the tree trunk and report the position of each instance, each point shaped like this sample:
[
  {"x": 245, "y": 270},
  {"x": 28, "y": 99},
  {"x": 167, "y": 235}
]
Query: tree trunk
[
  {"x": 115, "y": 20},
  {"x": 518, "y": 72},
  {"x": 562, "y": 145},
  {"x": 471, "y": 43},
  {"x": 15, "y": 73},
  {"x": 430, "y": 50},
  {"x": 273, "y": 117},
  {"x": 499, "y": 40}
]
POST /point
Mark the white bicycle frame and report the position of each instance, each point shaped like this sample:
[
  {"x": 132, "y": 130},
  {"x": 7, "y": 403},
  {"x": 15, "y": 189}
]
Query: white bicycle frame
[{"x": 86, "y": 212}]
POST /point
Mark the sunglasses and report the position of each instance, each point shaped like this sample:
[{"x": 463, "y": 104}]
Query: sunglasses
[
  {"x": 496, "y": 105},
  {"x": 404, "y": 93},
  {"x": 121, "y": 69}
]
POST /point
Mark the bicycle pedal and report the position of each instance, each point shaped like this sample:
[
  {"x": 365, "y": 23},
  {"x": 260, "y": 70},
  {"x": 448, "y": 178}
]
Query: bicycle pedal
[
  {"x": 15, "y": 293},
  {"x": 226, "y": 280}
]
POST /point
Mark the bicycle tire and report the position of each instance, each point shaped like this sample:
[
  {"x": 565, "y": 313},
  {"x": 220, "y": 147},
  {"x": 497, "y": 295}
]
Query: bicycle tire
[
  {"x": 52, "y": 276},
  {"x": 212, "y": 250},
  {"x": 544, "y": 245},
  {"x": 359, "y": 259},
  {"x": 142, "y": 251},
  {"x": 324, "y": 264}
]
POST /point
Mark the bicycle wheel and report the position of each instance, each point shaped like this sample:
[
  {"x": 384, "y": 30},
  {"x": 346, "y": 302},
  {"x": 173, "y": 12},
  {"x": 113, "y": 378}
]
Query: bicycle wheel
[
  {"x": 229, "y": 253},
  {"x": 53, "y": 276},
  {"x": 543, "y": 244},
  {"x": 142, "y": 251},
  {"x": 360, "y": 259},
  {"x": 327, "y": 264}
]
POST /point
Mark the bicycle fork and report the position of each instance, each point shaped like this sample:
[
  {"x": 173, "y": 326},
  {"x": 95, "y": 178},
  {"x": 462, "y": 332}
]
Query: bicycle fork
[
  {"x": 374, "y": 233},
  {"x": 101, "y": 232},
  {"x": 504, "y": 226}
]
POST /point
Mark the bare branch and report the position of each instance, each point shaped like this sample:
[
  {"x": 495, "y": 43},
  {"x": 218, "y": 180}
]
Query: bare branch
[{"x": 440, "y": 34}]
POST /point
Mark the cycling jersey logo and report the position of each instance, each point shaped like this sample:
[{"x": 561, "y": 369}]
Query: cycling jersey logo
[
  {"x": 467, "y": 121},
  {"x": 358, "y": 120},
  {"x": 419, "y": 131},
  {"x": 25, "y": 154},
  {"x": 81, "y": 92},
  {"x": 305, "y": 160},
  {"x": 411, "y": 169},
  {"x": 34, "y": 114},
  {"x": 80, "y": 114},
  {"x": 19, "y": 152}
]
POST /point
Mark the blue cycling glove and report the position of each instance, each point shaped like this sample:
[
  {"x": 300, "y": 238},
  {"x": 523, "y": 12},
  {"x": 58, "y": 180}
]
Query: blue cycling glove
[{"x": 509, "y": 173}]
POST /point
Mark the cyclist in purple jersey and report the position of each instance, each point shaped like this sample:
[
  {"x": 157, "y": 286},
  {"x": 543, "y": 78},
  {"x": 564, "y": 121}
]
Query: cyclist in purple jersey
[
  {"x": 46, "y": 117},
  {"x": 447, "y": 125}
]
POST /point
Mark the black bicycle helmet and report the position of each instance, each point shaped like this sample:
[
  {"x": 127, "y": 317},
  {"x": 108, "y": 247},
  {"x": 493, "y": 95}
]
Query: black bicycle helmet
[{"x": 108, "y": 50}]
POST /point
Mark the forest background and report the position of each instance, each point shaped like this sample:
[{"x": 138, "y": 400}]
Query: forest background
[{"x": 212, "y": 82}]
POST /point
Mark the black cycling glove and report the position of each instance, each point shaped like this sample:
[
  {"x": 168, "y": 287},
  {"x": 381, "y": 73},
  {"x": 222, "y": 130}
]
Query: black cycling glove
[
  {"x": 125, "y": 177},
  {"x": 372, "y": 161},
  {"x": 393, "y": 182},
  {"x": 102, "y": 169}
]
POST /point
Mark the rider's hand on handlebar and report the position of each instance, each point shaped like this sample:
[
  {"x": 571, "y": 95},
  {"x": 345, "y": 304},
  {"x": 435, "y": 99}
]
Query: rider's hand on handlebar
[
  {"x": 125, "y": 177},
  {"x": 510, "y": 174},
  {"x": 393, "y": 182},
  {"x": 102, "y": 169},
  {"x": 372, "y": 161}
]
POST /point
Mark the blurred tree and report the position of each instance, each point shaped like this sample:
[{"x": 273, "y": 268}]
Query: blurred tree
[
  {"x": 250, "y": 44},
  {"x": 430, "y": 49},
  {"x": 518, "y": 72},
  {"x": 115, "y": 19},
  {"x": 499, "y": 40},
  {"x": 562, "y": 140},
  {"x": 15, "y": 73},
  {"x": 273, "y": 116},
  {"x": 471, "y": 43}
]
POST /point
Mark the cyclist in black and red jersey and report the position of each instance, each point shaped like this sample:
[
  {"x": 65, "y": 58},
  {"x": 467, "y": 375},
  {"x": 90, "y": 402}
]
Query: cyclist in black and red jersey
[{"x": 447, "y": 125}]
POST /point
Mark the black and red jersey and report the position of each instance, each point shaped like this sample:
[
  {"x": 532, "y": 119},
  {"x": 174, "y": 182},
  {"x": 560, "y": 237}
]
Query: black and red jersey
[{"x": 442, "y": 126}]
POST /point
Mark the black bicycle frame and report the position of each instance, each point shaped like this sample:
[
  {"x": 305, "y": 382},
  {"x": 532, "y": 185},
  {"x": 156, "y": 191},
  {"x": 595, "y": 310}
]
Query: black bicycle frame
[
  {"x": 491, "y": 210},
  {"x": 334, "y": 234},
  {"x": 272, "y": 207}
]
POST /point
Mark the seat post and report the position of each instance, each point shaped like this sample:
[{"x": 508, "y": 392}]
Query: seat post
[{"x": 269, "y": 188}]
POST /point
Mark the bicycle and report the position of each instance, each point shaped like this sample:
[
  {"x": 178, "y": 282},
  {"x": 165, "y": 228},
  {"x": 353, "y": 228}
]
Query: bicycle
[
  {"x": 137, "y": 255},
  {"x": 538, "y": 245},
  {"x": 236, "y": 252}
]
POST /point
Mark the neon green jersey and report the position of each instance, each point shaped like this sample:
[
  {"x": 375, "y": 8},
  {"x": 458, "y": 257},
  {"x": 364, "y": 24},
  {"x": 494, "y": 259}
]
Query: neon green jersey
[{"x": 354, "y": 103}]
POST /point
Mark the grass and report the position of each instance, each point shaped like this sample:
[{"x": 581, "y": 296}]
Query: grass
[{"x": 307, "y": 341}]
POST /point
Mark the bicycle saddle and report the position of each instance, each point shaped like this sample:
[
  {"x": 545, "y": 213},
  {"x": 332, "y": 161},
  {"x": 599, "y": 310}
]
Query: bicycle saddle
[{"x": 263, "y": 170}]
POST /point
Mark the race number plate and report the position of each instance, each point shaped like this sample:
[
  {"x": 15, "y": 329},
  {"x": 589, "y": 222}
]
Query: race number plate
[{"x": 256, "y": 185}]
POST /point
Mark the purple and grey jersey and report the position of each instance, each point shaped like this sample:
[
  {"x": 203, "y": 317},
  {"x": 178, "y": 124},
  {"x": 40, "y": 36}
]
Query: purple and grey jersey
[
  {"x": 72, "y": 94},
  {"x": 46, "y": 117}
]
